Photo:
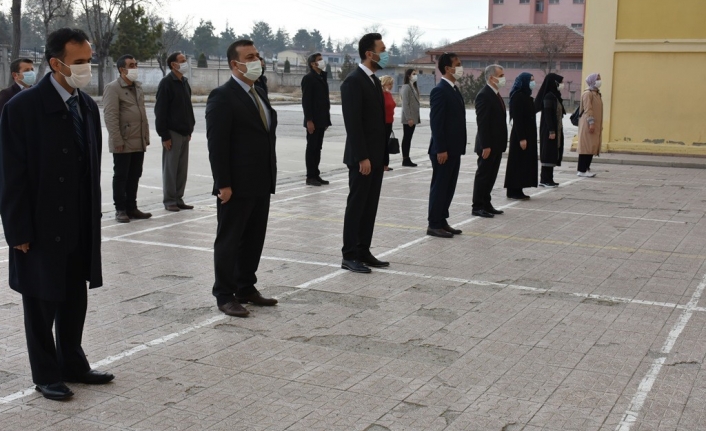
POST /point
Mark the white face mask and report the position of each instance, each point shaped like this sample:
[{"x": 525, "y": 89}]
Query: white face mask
[
  {"x": 131, "y": 74},
  {"x": 458, "y": 73},
  {"x": 80, "y": 74},
  {"x": 413, "y": 78},
  {"x": 29, "y": 77},
  {"x": 501, "y": 81},
  {"x": 184, "y": 67},
  {"x": 321, "y": 64},
  {"x": 560, "y": 86},
  {"x": 598, "y": 84},
  {"x": 532, "y": 84},
  {"x": 254, "y": 69}
]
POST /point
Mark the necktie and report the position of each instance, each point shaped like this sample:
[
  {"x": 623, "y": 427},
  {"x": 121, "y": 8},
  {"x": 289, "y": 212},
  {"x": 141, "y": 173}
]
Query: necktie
[
  {"x": 263, "y": 117},
  {"x": 78, "y": 122},
  {"x": 502, "y": 102},
  {"x": 376, "y": 80}
]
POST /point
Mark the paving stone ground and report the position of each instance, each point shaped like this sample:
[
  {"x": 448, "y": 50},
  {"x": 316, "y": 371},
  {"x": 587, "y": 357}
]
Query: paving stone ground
[{"x": 580, "y": 309}]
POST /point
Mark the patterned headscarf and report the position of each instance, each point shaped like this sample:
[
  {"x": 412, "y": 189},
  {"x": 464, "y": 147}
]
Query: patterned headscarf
[
  {"x": 521, "y": 85},
  {"x": 591, "y": 81}
]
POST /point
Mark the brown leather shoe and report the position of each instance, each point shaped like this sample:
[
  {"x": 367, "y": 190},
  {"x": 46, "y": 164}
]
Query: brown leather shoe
[
  {"x": 122, "y": 217},
  {"x": 257, "y": 299},
  {"x": 234, "y": 309},
  {"x": 185, "y": 207},
  {"x": 137, "y": 214},
  {"x": 171, "y": 208}
]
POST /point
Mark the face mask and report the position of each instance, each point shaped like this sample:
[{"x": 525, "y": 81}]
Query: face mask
[
  {"x": 29, "y": 77},
  {"x": 254, "y": 69},
  {"x": 501, "y": 81},
  {"x": 131, "y": 75},
  {"x": 183, "y": 68},
  {"x": 321, "y": 64},
  {"x": 80, "y": 75},
  {"x": 598, "y": 84},
  {"x": 384, "y": 58},
  {"x": 560, "y": 86},
  {"x": 458, "y": 72},
  {"x": 532, "y": 85},
  {"x": 412, "y": 78}
]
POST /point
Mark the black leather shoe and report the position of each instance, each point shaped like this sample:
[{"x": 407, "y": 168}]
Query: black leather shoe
[
  {"x": 257, "y": 299},
  {"x": 55, "y": 391},
  {"x": 374, "y": 262},
  {"x": 440, "y": 233},
  {"x": 494, "y": 211},
  {"x": 173, "y": 208},
  {"x": 449, "y": 229},
  {"x": 355, "y": 266},
  {"x": 409, "y": 163},
  {"x": 313, "y": 182},
  {"x": 520, "y": 197},
  {"x": 122, "y": 217},
  {"x": 185, "y": 207},
  {"x": 234, "y": 309},
  {"x": 322, "y": 181},
  {"x": 482, "y": 213},
  {"x": 138, "y": 215},
  {"x": 92, "y": 377}
]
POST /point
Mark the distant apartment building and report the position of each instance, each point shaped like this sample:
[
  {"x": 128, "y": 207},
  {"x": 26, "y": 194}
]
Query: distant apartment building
[{"x": 566, "y": 12}]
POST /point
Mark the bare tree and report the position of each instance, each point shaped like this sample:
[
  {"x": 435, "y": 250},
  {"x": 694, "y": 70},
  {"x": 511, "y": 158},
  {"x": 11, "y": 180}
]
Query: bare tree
[
  {"x": 48, "y": 11},
  {"x": 173, "y": 33},
  {"x": 412, "y": 46},
  {"x": 551, "y": 45},
  {"x": 16, "y": 12},
  {"x": 375, "y": 28}
]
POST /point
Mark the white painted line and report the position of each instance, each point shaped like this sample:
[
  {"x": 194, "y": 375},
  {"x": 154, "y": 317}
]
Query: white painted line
[
  {"x": 602, "y": 215},
  {"x": 159, "y": 227},
  {"x": 643, "y": 390},
  {"x": 150, "y": 187}
]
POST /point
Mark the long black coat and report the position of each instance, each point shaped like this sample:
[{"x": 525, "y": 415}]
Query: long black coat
[
  {"x": 315, "y": 99},
  {"x": 551, "y": 150},
  {"x": 8, "y": 93},
  {"x": 364, "y": 116},
  {"x": 522, "y": 164},
  {"x": 39, "y": 183},
  {"x": 241, "y": 150},
  {"x": 491, "y": 118}
]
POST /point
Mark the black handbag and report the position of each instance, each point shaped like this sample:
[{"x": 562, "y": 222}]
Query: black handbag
[
  {"x": 393, "y": 145},
  {"x": 576, "y": 116}
]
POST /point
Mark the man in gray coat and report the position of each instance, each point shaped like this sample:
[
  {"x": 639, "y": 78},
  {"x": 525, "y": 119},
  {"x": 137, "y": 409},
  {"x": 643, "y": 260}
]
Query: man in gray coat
[{"x": 128, "y": 137}]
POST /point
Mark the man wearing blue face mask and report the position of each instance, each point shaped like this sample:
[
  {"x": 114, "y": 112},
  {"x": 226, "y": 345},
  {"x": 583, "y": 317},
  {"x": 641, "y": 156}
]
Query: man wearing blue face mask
[{"x": 24, "y": 76}]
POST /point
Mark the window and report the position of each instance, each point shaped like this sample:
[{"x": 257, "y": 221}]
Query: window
[
  {"x": 524, "y": 1},
  {"x": 474, "y": 64},
  {"x": 539, "y": 7},
  {"x": 553, "y": 1},
  {"x": 498, "y": 1},
  {"x": 497, "y": 25},
  {"x": 531, "y": 65},
  {"x": 571, "y": 65},
  {"x": 578, "y": 1},
  {"x": 578, "y": 26}
]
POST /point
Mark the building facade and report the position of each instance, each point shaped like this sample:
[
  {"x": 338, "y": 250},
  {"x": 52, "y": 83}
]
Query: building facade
[{"x": 565, "y": 12}]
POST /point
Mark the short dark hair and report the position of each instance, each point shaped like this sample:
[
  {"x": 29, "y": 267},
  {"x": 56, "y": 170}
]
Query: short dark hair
[
  {"x": 232, "y": 52},
  {"x": 57, "y": 40},
  {"x": 121, "y": 61},
  {"x": 311, "y": 59},
  {"x": 172, "y": 58},
  {"x": 446, "y": 60},
  {"x": 15, "y": 65},
  {"x": 367, "y": 43}
]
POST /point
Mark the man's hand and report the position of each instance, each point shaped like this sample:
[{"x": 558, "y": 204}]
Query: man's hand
[
  {"x": 591, "y": 128},
  {"x": 410, "y": 123},
  {"x": 189, "y": 138},
  {"x": 167, "y": 144},
  {"x": 119, "y": 148},
  {"x": 310, "y": 127},
  {"x": 224, "y": 194},
  {"x": 486, "y": 153},
  {"x": 523, "y": 144},
  {"x": 24, "y": 248},
  {"x": 364, "y": 167},
  {"x": 552, "y": 135},
  {"x": 442, "y": 157}
]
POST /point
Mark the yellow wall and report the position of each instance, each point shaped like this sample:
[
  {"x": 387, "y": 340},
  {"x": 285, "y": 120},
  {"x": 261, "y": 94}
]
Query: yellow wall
[{"x": 651, "y": 55}]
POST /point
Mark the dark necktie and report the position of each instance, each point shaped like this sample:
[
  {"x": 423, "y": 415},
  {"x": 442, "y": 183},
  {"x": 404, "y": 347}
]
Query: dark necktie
[
  {"x": 78, "y": 122},
  {"x": 379, "y": 87},
  {"x": 502, "y": 102}
]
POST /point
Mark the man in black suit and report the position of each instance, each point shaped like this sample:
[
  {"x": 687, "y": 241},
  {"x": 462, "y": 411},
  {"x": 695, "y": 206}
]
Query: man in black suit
[
  {"x": 491, "y": 140},
  {"x": 240, "y": 127},
  {"x": 50, "y": 158},
  {"x": 24, "y": 76},
  {"x": 364, "y": 117},
  {"x": 317, "y": 116},
  {"x": 447, "y": 145}
]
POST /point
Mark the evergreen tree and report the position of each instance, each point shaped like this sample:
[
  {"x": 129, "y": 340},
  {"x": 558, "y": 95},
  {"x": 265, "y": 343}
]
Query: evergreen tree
[
  {"x": 347, "y": 67},
  {"x": 202, "y": 62},
  {"x": 287, "y": 66},
  {"x": 329, "y": 45},
  {"x": 282, "y": 40},
  {"x": 204, "y": 39},
  {"x": 136, "y": 35},
  {"x": 263, "y": 38}
]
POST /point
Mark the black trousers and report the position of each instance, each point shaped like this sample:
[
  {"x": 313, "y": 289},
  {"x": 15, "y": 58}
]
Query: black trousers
[
  {"x": 407, "y": 139},
  {"x": 312, "y": 156},
  {"x": 127, "y": 170},
  {"x": 585, "y": 162},
  {"x": 388, "y": 132},
  {"x": 361, "y": 210},
  {"x": 58, "y": 361},
  {"x": 242, "y": 225},
  {"x": 484, "y": 180},
  {"x": 441, "y": 192}
]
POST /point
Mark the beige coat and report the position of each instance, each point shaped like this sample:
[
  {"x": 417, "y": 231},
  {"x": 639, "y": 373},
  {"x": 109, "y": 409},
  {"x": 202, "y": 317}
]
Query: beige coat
[
  {"x": 592, "y": 108},
  {"x": 125, "y": 117}
]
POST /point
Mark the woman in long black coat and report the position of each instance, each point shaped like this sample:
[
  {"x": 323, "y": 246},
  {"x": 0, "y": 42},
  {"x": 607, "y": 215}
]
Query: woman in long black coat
[
  {"x": 522, "y": 156},
  {"x": 551, "y": 132}
]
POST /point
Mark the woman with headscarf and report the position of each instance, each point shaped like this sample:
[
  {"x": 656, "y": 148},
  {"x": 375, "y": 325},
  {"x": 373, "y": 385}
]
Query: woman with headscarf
[
  {"x": 522, "y": 157},
  {"x": 590, "y": 125},
  {"x": 551, "y": 132}
]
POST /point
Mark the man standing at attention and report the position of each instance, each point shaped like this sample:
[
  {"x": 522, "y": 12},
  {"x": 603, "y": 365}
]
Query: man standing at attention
[
  {"x": 240, "y": 127},
  {"x": 50, "y": 158},
  {"x": 24, "y": 76},
  {"x": 174, "y": 118},
  {"x": 366, "y": 141},
  {"x": 317, "y": 116},
  {"x": 448, "y": 144},
  {"x": 128, "y": 137}
]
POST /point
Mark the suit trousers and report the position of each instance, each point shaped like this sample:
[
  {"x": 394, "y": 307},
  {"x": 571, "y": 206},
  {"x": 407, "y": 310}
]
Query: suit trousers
[
  {"x": 407, "y": 139},
  {"x": 361, "y": 210},
  {"x": 175, "y": 166},
  {"x": 443, "y": 187},
  {"x": 388, "y": 132},
  {"x": 314, "y": 143},
  {"x": 484, "y": 180},
  {"x": 127, "y": 170},
  {"x": 55, "y": 362},
  {"x": 240, "y": 237}
]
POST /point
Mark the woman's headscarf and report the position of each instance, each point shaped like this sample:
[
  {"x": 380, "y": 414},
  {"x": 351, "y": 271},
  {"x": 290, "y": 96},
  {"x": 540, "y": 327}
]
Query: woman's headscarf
[
  {"x": 549, "y": 86},
  {"x": 591, "y": 81},
  {"x": 521, "y": 85}
]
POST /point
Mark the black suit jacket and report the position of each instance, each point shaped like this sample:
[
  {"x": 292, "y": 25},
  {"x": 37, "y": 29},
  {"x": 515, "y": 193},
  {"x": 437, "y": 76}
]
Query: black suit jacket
[
  {"x": 240, "y": 148},
  {"x": 8, "y": 93},
  {"x": 492, "y": 122},
  {"x": 315, "y": 99},
  {"x": 364, "y": 117},
  {"x": 40, "y": 184},
  {"x": 447, "y": 120}
]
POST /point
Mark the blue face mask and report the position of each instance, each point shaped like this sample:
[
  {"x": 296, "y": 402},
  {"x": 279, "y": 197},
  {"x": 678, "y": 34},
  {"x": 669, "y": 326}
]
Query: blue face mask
[
  {"x": 29, "y": 77},
  {"x": 384, "y": 59},
  {"x": 532, "y": 85}
]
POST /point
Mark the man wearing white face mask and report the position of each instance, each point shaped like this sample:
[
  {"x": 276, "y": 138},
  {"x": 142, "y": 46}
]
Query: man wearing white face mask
[
  {"x": 50, "y": 157},
  {"x": 23, "y": 74},
  {"x": 128, "y": 137},
  {"x": 317, "y": 116}
]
